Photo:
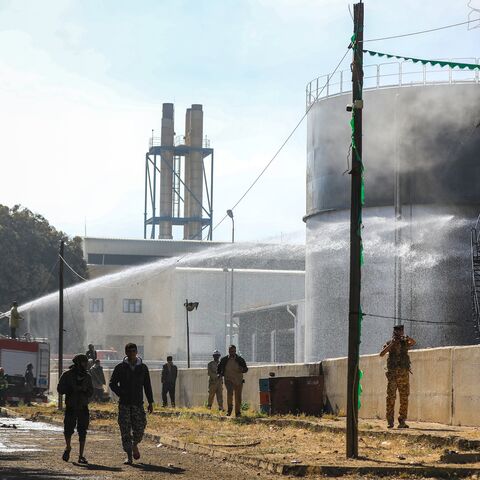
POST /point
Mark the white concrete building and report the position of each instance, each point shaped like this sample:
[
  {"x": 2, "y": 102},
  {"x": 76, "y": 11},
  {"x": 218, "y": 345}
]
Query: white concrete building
[{"x": 145, "y": 304}]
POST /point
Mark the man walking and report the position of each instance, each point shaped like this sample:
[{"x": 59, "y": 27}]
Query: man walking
[
  {"x": 215, "y": 383},
  {"x": 76, "y": 385},
  {"x": 14, "y": 321},
  {"x": 232, "y": 367},
  {"x": 129, "y": 379},
  {"x": 398, "y": 371},
  {"x": 98, "y": 381},
  {"x": 169, "y": 378}
]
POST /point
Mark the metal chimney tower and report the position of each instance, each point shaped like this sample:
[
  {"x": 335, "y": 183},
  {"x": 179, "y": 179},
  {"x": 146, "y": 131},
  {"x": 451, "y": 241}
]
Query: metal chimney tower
[{"x": 179, "y": 175}]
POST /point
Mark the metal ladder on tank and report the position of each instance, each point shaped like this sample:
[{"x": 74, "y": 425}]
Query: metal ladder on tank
[
  {"x": 475, "y": 252},
  {"x": 176, "y": 196}
]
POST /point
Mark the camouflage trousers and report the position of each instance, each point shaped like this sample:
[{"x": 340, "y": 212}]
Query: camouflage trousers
[
  {"x": 398, "y": 379},
  {"x": 132, "y": 422}
]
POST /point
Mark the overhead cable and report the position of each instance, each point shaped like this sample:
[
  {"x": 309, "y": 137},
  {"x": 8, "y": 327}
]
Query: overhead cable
[
  {"x": 413, "y": 320},
  {"x": 290, "y": 135},
  {"x": 422, "y": 31}
]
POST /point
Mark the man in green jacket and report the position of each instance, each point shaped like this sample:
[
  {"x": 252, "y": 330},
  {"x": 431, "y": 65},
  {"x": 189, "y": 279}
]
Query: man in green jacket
[
  {"x": 15, "y": 318},
  {"x": 76, "y": 385}
]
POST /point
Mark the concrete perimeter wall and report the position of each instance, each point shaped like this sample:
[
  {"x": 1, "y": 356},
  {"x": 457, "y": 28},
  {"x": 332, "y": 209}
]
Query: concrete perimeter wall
[{"x": 444, "y": 386}]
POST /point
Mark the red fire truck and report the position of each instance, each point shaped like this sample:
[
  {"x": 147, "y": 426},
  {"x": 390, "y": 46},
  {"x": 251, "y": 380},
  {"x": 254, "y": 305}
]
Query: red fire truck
[{"x": 15, "y": 355}]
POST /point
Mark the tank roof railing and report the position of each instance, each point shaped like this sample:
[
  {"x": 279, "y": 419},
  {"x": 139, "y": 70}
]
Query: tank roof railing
[{"x": 390, "y": 75}]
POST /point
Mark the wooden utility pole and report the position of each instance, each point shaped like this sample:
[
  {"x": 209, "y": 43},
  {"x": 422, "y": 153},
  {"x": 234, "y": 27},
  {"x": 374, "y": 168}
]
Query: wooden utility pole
[
  {"x": 60, "y": 319},
  {"x": 354, "y": 315}
]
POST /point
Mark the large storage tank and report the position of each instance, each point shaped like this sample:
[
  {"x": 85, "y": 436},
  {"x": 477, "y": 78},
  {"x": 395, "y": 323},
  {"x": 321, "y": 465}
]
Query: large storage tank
[{"x": 421, "y": 144}]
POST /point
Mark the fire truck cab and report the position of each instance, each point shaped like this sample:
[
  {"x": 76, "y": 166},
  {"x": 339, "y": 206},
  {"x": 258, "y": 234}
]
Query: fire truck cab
[{"x": 15, "y": 355}]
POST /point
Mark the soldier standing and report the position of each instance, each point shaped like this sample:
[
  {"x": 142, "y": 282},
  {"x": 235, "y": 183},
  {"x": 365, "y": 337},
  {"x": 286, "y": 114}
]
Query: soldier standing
[
  {"x": 232, "y": 367},
  {"x": 398, "y": 371},
  {"x": 215, "y": 383},
  {"x": 3, "y": 387}
]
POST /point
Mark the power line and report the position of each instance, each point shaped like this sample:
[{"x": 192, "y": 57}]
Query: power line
[
  {"x": 282, "y": 145},
  {"x": 413, "y": 320},
  {"x": 422, "y": 31}
]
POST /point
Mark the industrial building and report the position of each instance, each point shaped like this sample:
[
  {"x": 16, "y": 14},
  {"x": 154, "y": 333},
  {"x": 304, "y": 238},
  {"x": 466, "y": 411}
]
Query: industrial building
[
  {"x": 145, "y": 303},
  {"x": 421, "y": 137}
]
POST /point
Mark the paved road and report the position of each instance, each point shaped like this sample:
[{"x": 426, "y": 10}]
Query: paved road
[{"x": 33, "y": 450}]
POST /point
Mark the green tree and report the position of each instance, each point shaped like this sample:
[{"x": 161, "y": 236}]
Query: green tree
[{"x": 29, "y": 256}]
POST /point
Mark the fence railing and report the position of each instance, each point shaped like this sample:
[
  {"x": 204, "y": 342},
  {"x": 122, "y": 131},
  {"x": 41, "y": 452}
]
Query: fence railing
[{"x": 388, "y": 75}]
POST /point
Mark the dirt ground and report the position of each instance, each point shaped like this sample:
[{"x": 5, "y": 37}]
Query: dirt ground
[
  {"x": 36, "y": 454},
  {"x": 251, "y": 436}
]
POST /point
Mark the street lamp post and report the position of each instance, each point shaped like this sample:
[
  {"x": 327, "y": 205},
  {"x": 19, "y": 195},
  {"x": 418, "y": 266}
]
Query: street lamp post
[
  {"x": 230, "y": 214},
  {"x": 189, "y": 307}
]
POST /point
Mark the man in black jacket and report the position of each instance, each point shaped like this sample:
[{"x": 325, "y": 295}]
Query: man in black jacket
[
  {"x": 128, "y": 381},
  {"x": 232, "y": 367},
  {"x": 169, "y": 378},
  {"x": 76, "y": 385}
]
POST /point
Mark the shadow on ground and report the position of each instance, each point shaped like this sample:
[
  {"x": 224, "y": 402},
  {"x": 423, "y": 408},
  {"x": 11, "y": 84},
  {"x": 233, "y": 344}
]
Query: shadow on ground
[
  {"x": 148, "y": 467},
  {"x": 10, "y": 473}
]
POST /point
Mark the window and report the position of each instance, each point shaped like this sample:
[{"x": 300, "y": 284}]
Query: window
[
  {"x": 132, "y": 305},
  {"x": 95, "y": 305}
]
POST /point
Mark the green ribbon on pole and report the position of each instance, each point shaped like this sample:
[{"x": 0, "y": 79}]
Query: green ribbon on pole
[
  {"x": 360, "y": 389},
  {"x": 469, "y": 66}
]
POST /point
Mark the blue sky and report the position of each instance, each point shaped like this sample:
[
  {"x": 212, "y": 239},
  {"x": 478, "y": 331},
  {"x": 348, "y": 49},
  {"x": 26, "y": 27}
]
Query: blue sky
[{"x": 82, "y": 83}]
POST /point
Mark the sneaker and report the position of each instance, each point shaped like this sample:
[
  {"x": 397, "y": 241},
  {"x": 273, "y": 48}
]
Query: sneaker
[
  {"x": 403, "y": 425},
  {"x": 390, "y": 424},
  {"x": 82, "y": 461},
  {"x": 136, "y": 452},
  {"x": 66, "y": 455},
  {"x": 229, "y": 413}
]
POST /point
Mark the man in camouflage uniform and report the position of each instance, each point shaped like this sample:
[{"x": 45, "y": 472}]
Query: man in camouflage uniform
[
  {"x": 215, "y": 383},
  {"x": 128, "y": 381},
  {"x": 398, "y": 371}
]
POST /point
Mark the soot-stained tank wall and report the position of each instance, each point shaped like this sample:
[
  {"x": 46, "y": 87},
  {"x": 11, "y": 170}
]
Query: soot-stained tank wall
[
  {"x": 437, "y": 144},
  {"x": 433, "y": 130}
]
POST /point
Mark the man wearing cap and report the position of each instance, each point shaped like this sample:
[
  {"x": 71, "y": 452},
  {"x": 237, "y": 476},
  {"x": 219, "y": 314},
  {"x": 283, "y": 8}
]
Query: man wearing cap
[
  {"x": 215, "y": 383},
  {"x": 129, "y": 379},
  {"x": 76, "y": 385},
  {"x": 232, "y": 367},
  {"x": 398, "y": 371},
  {"x": 15, "y": 318}
]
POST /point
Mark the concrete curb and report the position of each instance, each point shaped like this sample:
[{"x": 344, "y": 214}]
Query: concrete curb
[{"x": 296, "y": 470}]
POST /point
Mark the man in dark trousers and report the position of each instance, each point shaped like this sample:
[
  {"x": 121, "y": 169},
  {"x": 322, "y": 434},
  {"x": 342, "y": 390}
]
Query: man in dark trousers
[
  {"x": 232, "y": 367},
  {"x": 76, "y": 385},
  {"x": 91, "y": 353},
  {"x": 98, "y": 380},
  {"x": 129, "y": 379},
  {"x": 29, "y": 384},
  {"x": 169, "y": 378}
]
